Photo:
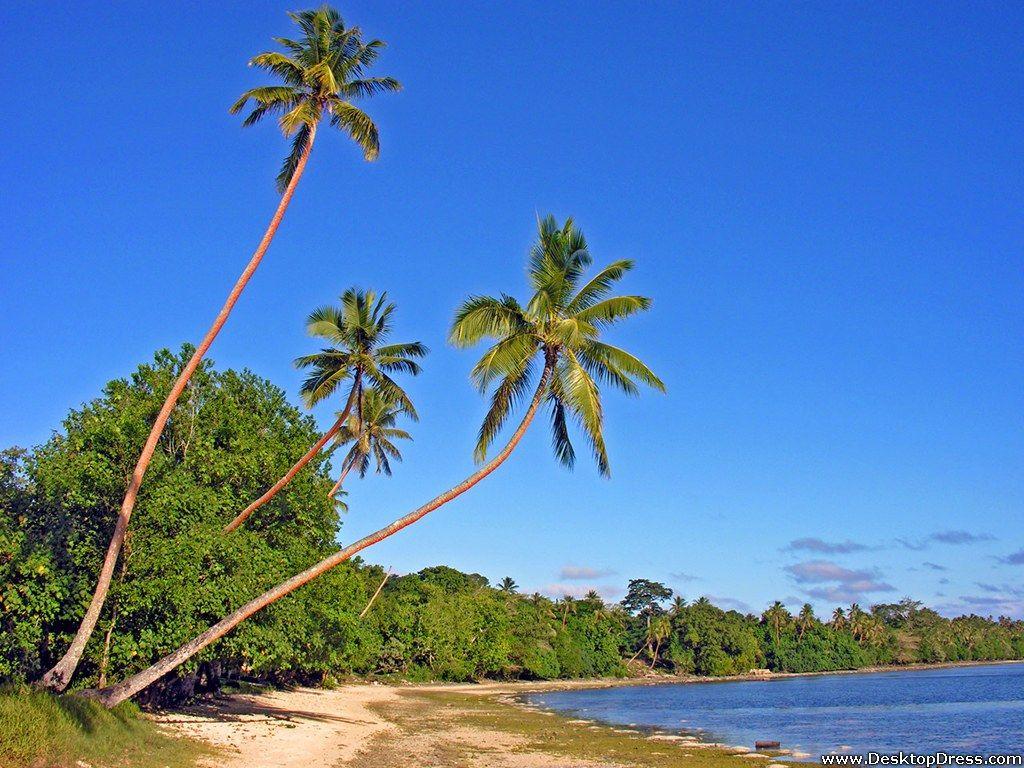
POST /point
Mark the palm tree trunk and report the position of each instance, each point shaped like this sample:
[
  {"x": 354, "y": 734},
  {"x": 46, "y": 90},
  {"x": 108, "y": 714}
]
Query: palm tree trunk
[
  {"x": 124, "y": 690},
  {"x": 60, "y": 675},
  {"x": 366, "y": 610},
  {"x": 344, "y": 473},
  {"x": 307, "y": 457}
]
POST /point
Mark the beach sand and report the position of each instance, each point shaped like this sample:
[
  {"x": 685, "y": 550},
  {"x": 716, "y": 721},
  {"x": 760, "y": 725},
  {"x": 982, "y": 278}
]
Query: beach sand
[{"x": 444, "y": 726}]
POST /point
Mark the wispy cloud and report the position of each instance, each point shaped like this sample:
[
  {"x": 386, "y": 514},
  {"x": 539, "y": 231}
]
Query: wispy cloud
[
  {"x": 992, "y": 604},
  {"x": 835, "y": 583},
  {"x": 934, "y": 566},
  {"x": 953, "y": 537},
  {"x": 582, "y": 572},
  {"x": 580, "y": 590},
  {"x": 1014, "y": 558},
  {"x": 814, "y": 544},
  {"x": 730, "y": 603},
  {"x": 680, "y": 576}
]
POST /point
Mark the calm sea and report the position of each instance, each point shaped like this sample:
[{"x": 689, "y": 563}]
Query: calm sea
[{"x": 977, "y": 710}]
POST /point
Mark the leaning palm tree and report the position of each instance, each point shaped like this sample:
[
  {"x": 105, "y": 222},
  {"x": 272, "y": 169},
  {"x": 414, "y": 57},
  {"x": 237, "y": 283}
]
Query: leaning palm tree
[
  {"x": 370, "y": 432},
  {"x": 558, "y": 332},
  {"x": 357, "y": 331},
  {"x": 323, "y": 73}
]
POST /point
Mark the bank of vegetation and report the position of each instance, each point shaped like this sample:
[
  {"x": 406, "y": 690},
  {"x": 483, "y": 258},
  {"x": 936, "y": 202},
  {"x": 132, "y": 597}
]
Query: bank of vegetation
[{"x": 181, "y": 573}]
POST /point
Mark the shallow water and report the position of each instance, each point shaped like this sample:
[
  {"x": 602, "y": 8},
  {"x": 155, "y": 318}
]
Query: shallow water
[{"x": 962, "y": 710}]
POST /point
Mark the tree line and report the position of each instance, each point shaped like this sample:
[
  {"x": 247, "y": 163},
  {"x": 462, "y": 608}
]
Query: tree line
[{"x": 181, "y": 573}]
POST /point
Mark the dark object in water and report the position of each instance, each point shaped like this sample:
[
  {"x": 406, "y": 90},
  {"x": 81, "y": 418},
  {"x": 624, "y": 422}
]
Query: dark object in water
[{"x": 767, "y": 744}]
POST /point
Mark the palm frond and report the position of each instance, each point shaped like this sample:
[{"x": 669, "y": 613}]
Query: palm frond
[
  {"x": 599, "y": 285},
  {"x": 291, "y": 163},
  {"x": 482, "y": 317},
  {"x": 614, "y": 308},
  {"x": 506, "y": 358},
  {"x": 358, "y": 125},
  {"x": 507, "y": 395},
  {"x": 622, "y": 361}
]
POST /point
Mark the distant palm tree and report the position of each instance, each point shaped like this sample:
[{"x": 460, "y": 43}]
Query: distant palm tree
[
  {"x": 838, "y": 619},
  {"x": 508, "y": 586},
  {"x": 678, "y": 605},
  {"x": 323, "y": 72},
  {"x": 657, "y": 632},
  {"x": 568, "y": 607},
  {"x": 357, "y": 330},
  {"x": 560, "y": 327},
  {"x": 371, "y": 431},
  {"x": 776, "y": 617},
  {"x": 806, "y": 619}
]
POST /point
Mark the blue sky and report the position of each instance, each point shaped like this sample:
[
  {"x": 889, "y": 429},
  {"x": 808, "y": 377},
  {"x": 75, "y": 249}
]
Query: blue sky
[{"x": 824, "y": 202}]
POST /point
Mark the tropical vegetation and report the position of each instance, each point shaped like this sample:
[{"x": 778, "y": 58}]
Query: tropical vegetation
[{"x": 181, "y": 573}]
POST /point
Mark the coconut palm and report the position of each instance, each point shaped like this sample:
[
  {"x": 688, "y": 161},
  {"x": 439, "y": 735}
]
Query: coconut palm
[
  {"x": 838, "y": 619},
  {"x": 678, "y": 605},
  {"x": 805, "y": 620},
  {"x": 558, "y": 331},
  {"x": 357, "y": 330},
  {"x": 776, "y": 617},
  {"x": 370, "y": 431},
  {"x": 323, "y": 73},
  {"x": 508, "y": 586},
  {"x": 658, "y": 631}
]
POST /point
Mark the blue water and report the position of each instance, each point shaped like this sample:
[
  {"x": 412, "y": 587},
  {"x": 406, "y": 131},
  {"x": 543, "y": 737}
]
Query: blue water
[{"x": 969, "y": 710}]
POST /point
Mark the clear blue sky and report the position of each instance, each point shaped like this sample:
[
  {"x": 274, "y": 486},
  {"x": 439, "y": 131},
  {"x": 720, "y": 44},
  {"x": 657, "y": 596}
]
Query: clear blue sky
[{"x": 825, "y": 203}]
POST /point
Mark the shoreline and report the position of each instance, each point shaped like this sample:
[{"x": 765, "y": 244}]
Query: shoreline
[
  {"x": 369, "y": 724},
  {"x": 584, "y": 683}
]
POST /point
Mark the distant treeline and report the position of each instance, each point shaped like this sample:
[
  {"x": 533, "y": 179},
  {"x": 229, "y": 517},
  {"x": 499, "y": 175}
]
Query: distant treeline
[{"x": 179, "y": 573}]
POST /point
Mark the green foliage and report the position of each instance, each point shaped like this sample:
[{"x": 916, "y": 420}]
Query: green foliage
[{"x": 179, "y": 573}]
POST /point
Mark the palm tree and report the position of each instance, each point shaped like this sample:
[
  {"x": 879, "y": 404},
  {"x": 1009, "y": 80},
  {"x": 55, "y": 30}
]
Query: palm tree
[
  {"x": 657, "y": 632},
  {"x": 322, "y": 73},
  {"x": 371, "y": 431},
  {"x": 561, "y": 327},
  {"x": 568, "y": 605},
  {"x": 508, "y": 586},
  {"x": 806, "y": 619},
  {"x": 358, "y": 330},
  {"x": 678, "y": 605},
  {"x": 776, "y": 617},
  {"x": 838, "y": 619}
]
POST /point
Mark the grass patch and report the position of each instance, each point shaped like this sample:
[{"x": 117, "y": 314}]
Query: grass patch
[{"x": 40, "y": 730}]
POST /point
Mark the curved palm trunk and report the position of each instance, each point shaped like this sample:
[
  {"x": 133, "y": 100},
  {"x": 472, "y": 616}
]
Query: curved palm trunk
[
  {"x": 307, "y": 457},
  {"x": 60, "y": 675},
  {"x": 344, "y": 474},
  {"x": 124, "y": 690}
]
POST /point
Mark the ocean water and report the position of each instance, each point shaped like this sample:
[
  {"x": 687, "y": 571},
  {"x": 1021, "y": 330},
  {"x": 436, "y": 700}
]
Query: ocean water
[{"x": 961, "y": 710}]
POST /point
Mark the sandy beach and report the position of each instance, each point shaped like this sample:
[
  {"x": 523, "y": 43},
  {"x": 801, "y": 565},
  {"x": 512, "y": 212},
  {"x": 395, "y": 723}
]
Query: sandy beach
[{"x": 379, "y": 726}]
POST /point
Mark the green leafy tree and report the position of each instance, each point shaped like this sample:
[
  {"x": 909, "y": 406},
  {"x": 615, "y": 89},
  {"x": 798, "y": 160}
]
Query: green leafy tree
[{"x": 323, "y": 73}]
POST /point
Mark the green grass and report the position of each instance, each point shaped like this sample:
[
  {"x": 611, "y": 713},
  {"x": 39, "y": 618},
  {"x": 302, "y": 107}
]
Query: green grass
[{"x": 40, "y": 730}]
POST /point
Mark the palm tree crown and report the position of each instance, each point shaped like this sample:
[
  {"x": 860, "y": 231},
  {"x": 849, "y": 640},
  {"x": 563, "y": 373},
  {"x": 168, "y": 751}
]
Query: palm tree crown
[
  {"x": 357, "y": 331},
  {"x": 323, "y": 72},
  {"x": 560, "y": 325},
  {"x": 371, "y": 431}
]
